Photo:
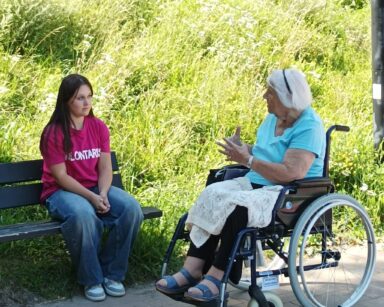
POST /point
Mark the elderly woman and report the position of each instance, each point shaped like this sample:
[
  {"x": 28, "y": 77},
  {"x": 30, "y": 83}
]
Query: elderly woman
[{"x": 290, "y": 145}]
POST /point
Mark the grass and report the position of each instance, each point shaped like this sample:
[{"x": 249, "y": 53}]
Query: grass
[{"x": 170, "y": 78}]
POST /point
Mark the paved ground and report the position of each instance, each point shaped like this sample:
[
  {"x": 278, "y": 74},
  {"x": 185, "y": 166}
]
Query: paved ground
[{"x": 147, "y": 296}]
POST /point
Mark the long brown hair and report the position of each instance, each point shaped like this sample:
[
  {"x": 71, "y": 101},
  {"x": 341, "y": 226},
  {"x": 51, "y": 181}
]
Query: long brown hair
[{"x": 61, "y": 115}]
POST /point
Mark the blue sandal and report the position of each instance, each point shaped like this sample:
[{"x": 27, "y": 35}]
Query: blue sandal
[
  {"x": 207, "y": 294},
  {"x": 173, "y": 288}
]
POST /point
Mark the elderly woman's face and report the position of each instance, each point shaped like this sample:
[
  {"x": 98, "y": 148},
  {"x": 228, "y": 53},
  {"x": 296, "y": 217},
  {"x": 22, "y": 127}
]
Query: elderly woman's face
[{"x": 273, "y": 102}]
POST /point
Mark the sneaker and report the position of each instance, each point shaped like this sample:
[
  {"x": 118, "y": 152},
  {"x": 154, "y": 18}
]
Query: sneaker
[
  {"x": 113, "y": 288},
  {"x": 94, "y": 293}
]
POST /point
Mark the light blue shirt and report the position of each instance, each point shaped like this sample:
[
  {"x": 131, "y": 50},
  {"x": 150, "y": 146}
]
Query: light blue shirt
[{"x": 306, "y": 133}]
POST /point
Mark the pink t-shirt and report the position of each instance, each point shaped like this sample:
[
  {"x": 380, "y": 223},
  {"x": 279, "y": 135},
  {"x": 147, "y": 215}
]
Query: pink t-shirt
[{"x": 81, "y": 162}]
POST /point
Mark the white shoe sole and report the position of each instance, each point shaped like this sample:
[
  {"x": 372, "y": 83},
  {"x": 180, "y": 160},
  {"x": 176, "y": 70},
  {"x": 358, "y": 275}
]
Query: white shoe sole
[
  {"x": 114, "y": 293},
  {"x": 96, "y": 299}
]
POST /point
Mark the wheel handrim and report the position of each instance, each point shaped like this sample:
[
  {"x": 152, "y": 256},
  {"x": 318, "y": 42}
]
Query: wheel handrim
[{"x": 305, "y": 290}]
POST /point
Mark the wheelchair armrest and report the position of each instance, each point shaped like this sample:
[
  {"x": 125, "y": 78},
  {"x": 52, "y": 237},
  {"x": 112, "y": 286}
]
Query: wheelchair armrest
[
  {"x": 226, "y": 172},
  {"x": 303, "y": 189},
  {"x": 312, "y": 182},
  {"x": 297, "y": 195},
  {"x": 236, "y": 166}
]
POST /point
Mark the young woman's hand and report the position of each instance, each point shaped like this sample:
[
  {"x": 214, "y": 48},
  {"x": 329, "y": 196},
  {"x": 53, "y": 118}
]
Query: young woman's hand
[
  {"x": 99, "y": 204},
  {"x": 104, "y": 196}
]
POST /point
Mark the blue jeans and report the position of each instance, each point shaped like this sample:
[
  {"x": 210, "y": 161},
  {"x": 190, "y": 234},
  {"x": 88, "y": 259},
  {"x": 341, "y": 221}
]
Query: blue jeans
[{"x": 82, "y": 229}]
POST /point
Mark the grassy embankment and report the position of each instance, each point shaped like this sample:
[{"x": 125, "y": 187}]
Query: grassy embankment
[{"x": 170, "y": 78}]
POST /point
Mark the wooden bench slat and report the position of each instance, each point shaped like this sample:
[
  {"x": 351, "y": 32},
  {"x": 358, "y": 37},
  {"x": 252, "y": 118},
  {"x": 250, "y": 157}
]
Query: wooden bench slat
[
  {"x": 18, "y": 196},
  {"x": 20, "y": 185},
  {"x": 24, "y": 171},
  {"x": 25, "y": 195},
  {"x": 20, "y": 171},
  {"x": 36, "y": 229},
  {"x": 28, "y": 230}
]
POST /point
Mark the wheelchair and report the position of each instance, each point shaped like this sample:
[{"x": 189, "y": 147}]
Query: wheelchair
[{"x": 322, "y": 240}]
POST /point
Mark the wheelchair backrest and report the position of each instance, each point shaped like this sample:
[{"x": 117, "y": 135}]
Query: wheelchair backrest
[{"x": 305, "y": 191}]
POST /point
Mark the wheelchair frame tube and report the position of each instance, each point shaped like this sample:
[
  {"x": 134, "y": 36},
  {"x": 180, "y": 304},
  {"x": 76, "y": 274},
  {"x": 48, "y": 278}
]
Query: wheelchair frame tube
[{"x": 178, "y": 234}]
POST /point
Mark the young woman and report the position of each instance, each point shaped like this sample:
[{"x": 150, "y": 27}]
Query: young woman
[{"x": 77, "y": 177}]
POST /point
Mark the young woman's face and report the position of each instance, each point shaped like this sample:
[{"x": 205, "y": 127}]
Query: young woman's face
[{"x": 81, "y": 103}]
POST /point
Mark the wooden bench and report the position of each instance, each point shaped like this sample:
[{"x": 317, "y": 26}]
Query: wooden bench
[{"x": 20, "y": 185}]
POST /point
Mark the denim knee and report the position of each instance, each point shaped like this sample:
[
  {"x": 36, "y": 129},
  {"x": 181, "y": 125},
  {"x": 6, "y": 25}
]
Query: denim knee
[
  {"x": 76, "y": 213},
  {"x": 85, "y": 222},
  {"x": 125, "y": 206}
]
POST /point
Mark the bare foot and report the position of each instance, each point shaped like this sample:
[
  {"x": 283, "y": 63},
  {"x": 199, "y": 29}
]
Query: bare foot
[
  {"x": 193, "y": 266},
  {"x": 180, "y": 280}
]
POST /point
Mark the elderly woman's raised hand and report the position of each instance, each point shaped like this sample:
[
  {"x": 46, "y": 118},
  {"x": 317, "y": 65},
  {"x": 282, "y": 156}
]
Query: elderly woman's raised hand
[
  {"x": 235, "y": 138},
  {"x": 234, "y": 149}
]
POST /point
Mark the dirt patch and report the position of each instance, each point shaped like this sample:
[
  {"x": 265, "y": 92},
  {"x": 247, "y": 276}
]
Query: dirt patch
[{"x": 16, "y": 297}]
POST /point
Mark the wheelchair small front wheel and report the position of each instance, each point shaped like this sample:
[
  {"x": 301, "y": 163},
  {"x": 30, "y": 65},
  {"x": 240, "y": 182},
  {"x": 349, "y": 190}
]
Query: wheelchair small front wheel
[
  {"x": 332, "y": 252},
  {"x": 272, "y": 299}
]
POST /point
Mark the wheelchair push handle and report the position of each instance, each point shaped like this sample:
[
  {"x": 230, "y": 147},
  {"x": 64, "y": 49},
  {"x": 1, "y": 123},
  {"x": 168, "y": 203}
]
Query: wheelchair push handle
[
  {"x": 328, "y": 146},
  {"x": 337, "y": 128},
  {"x": 342, "y": 128}
]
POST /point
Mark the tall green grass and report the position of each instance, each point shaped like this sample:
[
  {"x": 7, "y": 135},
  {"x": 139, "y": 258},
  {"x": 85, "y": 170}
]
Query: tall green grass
[{"x": 170, "y": 78}]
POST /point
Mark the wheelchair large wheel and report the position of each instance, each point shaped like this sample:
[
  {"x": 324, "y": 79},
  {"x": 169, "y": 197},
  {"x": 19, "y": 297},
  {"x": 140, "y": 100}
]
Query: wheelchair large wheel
[{"x": 332, "y": 252}]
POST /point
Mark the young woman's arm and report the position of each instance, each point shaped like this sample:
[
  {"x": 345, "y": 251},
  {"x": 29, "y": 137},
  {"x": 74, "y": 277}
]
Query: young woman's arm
[
  {"x": 59, "y": 172},
  {"x": 105, "y": 175}
]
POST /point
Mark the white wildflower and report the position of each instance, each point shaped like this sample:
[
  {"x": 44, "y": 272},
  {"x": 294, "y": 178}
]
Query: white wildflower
[
  {"x": 211, "y": 49},
  {"x": 15, "y": 58},
  {"x": 364, "y": 187},
  {"x": 48, "y": 103},
  {"x": 345, "y": 172},
  {"x": 315, "y": 74},
  {"x": 371, "y": 193},
  {"x": 88, "y": 37},
  {"x": 108, "y": 58},
  {"x": 86, "y": 44},
  {"x": 3, "y": 90}
]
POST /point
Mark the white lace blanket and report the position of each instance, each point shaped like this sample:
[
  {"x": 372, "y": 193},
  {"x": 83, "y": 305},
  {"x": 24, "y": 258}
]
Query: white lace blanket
[{"x": 217, "y": 201}]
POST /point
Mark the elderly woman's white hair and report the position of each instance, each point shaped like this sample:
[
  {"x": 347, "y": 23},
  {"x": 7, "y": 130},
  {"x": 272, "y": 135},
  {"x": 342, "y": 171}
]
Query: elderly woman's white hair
[{"x": 292, "y": 88}]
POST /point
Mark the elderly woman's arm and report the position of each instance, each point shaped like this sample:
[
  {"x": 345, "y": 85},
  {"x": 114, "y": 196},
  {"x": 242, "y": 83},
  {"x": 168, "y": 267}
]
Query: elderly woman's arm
[{"x": 295, "y": 165}]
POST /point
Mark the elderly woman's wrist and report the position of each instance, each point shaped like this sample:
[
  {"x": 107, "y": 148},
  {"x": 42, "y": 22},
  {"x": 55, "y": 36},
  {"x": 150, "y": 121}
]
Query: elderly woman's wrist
[{"x": 249, "y": 162}]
